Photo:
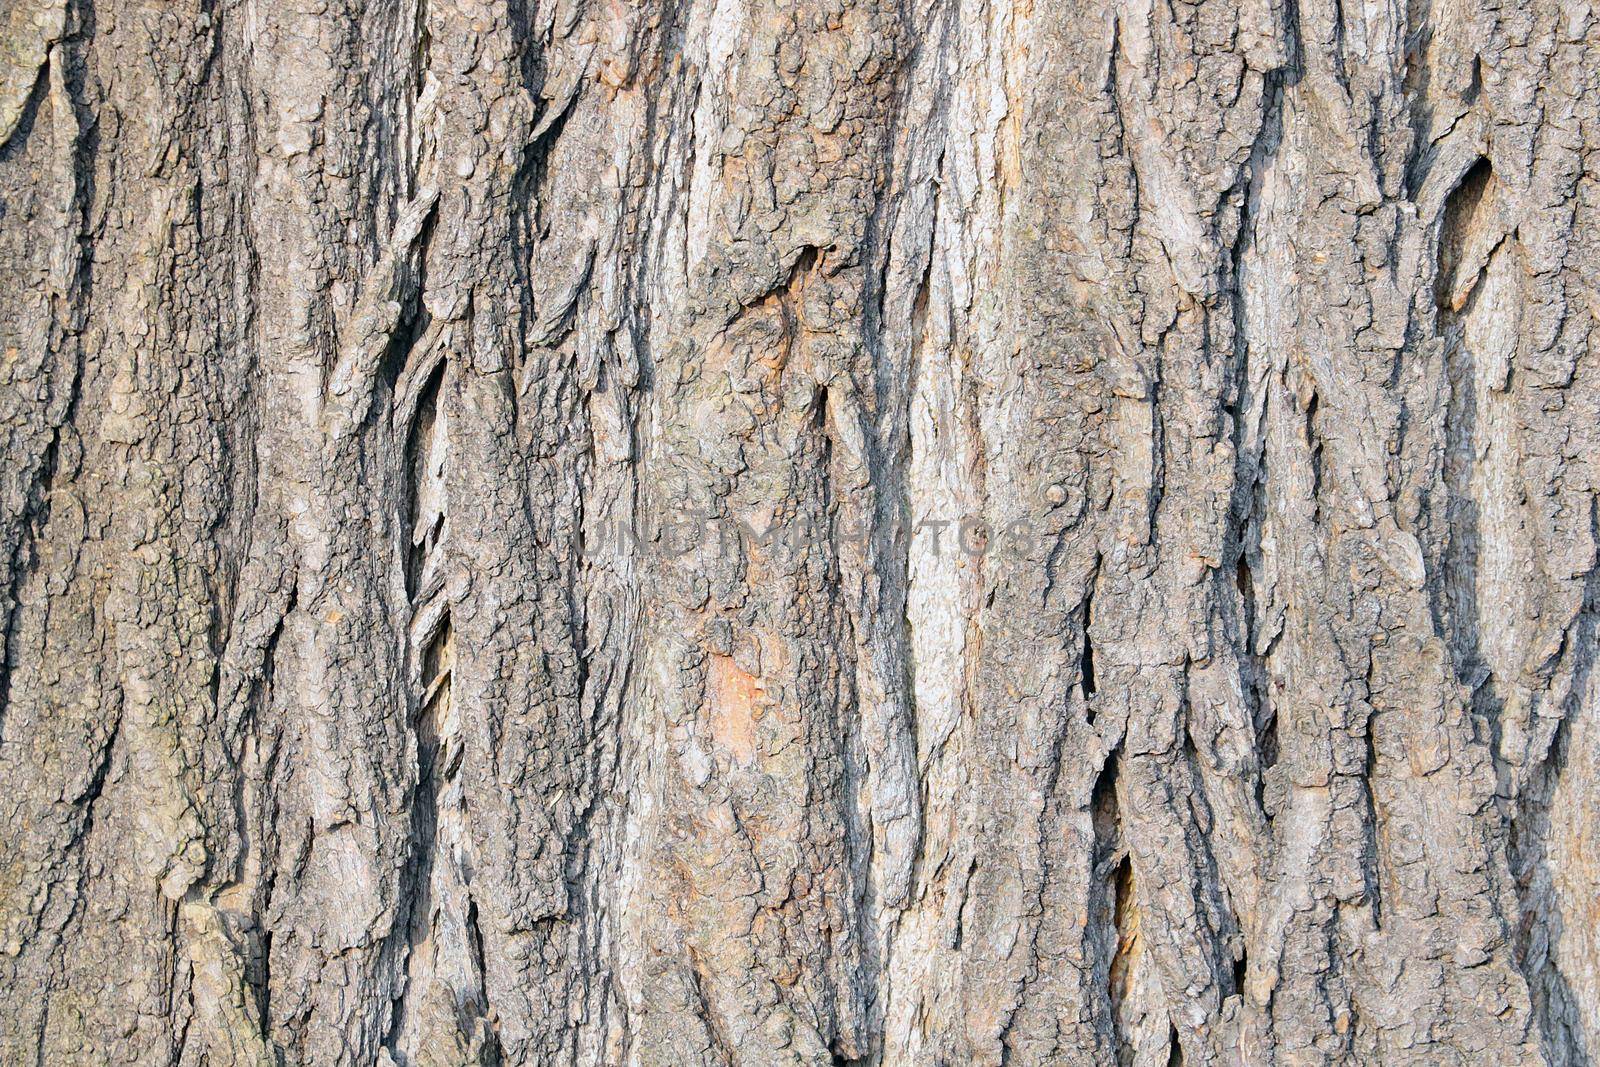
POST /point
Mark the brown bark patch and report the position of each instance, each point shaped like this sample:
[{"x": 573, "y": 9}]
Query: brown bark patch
[{"x": 733, "y": 696}]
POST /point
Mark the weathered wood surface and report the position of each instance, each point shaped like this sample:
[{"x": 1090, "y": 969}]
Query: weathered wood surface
[{"x": 343, "y": 720}]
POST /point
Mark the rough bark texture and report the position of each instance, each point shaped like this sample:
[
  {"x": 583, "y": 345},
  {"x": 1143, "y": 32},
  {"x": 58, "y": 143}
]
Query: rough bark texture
[{"x": 342, "y": 721}]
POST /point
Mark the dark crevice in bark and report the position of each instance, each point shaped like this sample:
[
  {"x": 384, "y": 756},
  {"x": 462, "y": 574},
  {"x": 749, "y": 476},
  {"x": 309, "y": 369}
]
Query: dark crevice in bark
[
  {"x": 1458, "y": 600},
  {"x": 1460, "y": 217},
  {"x": 35, "y": 513},
  {"x": 893, "y": 451},
  {"x": 1088, "y": 683},
  {"x": 474, "y": 1009},
  {"x": 423, "y": 527},
  {"x": 804, "y": 264},
  {"x": 726, "y": 1048},
  {"x": 1112, "y": 907},
  {"x": 97, "y": 783},
  {"x": 1267, "y": 742},
  {"x": 1372, "y": 866},
  {"x": 1456, "y": 596},
  {"x": 958, "y": 938},
  {"x": 877, "y": 243},
  {"x": 402, "y": 266},
  {"x": 1086, "y": 659},
  {"x": 421, "y": 539},
  {"x": 840, "y": 1059},
  {"x": 436, "y": 662},
  {"x": 533, "y": 178},
  {"x": 1314, "y": 450},
  {"x": 1423, "y": 153},
  {"x": 421, "y": 59},
  {"x": 258, "y": 977},
  {"x": 1243, "y": 538},
  {"x": 428, "y": 730},
  {"x": 530, "y": 224},
  {"x": 85, "y": 155},
  {"x": 1541, "y": 925},
  {"x": 1252, "y": 666},
  {"x": 14, "y": 145},
  {"x": 1224, "y": 927},
  {"x": 258, "y": 957}
]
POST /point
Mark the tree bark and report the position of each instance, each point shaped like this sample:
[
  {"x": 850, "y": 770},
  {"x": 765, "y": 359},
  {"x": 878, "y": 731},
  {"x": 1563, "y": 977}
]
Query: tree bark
[{"x": 799, "y": 532}]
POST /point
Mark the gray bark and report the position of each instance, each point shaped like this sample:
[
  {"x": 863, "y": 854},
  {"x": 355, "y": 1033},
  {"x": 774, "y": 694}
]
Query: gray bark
[{"x": 394, "y": 393}]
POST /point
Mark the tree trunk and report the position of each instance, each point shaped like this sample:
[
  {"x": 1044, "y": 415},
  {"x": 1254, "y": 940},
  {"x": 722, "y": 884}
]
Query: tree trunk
[{"x": 741, "y": 532}]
